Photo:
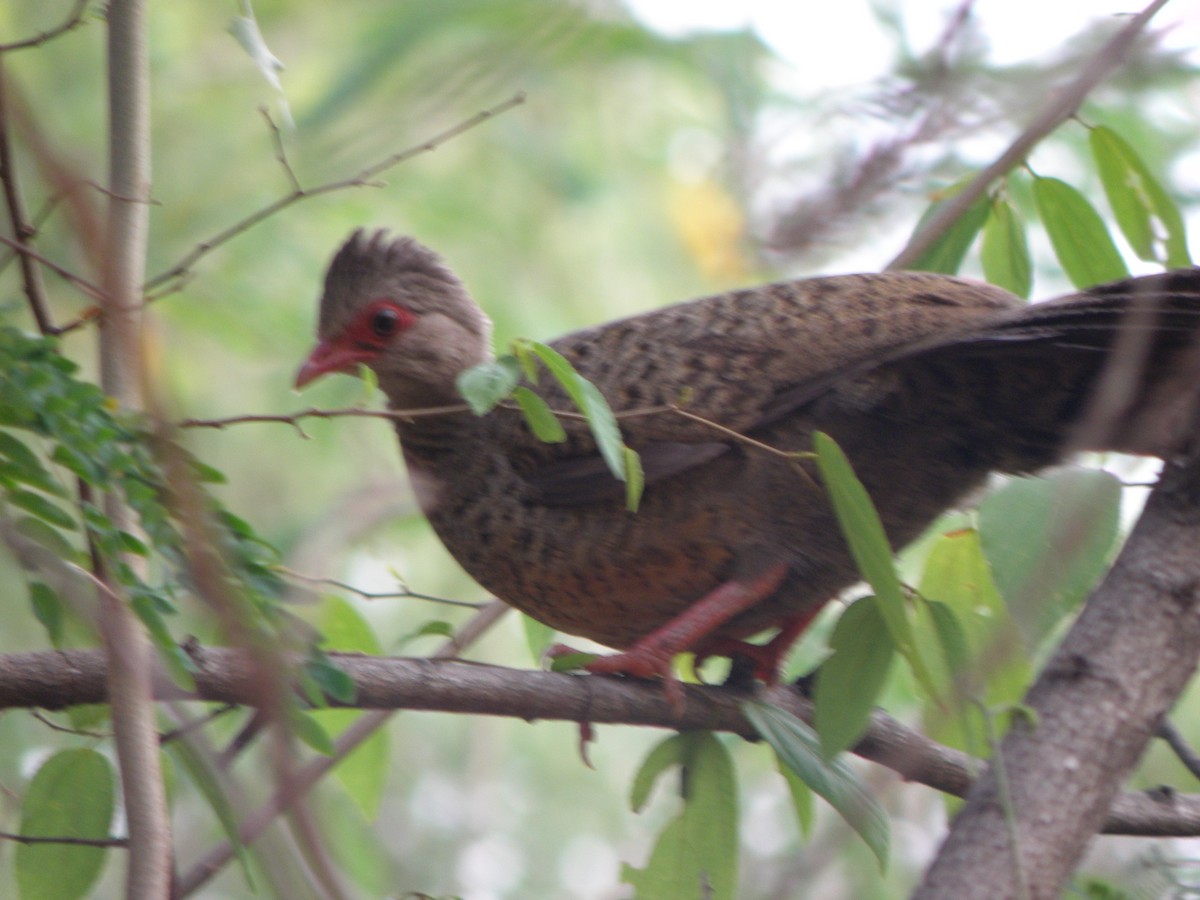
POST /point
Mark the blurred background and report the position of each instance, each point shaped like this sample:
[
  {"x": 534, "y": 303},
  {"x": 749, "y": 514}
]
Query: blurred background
[{"x": 665, "y": 150}]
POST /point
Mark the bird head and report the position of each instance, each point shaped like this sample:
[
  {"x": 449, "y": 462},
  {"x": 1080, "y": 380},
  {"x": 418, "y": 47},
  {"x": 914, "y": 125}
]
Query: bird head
[{"x": 391, "y": 304}]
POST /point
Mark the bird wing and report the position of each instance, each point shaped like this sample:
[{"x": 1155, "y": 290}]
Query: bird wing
[{"x": 732, "y": 362}]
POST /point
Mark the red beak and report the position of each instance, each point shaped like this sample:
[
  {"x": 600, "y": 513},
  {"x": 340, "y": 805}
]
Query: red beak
[{"x": 327, "y": 357}]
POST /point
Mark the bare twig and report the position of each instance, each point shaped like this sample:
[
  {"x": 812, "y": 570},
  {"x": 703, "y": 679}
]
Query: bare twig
[
  {"x": 31, "y": 276},
  {"x": 1186, "y": 752},
  {"x": 1063, "y": 104},
  {"x": 74, "y": 841},
  {"x": 73, "y": 20},
  {"x": 365, "y": 178},
  {"x": 94, "y": 291},
  {"x": 403, "y": 594},
  {"x": 295, "y": 418}
]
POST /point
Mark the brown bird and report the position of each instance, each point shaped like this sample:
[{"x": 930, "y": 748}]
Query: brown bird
[{"x": 927, "y": 382}]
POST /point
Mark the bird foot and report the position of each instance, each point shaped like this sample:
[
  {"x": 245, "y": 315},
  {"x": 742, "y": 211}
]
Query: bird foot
[
  {"x": 646, "y": 660},
  {"x": 763, "y": 658}
]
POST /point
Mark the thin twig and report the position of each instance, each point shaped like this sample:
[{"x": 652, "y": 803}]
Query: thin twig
[
  {"x": 403, "y": 594},
  {"x": 31, "y": 280},
  {"x": 1063, "y": 104},
  {"x": 1179, "y": 745},
  {"x": 96, "y": 292},
  {"x": 73, "y": 20},
  {"x": 281, "y": 152},
  {"x": 365, "y": 178},
  {"x": 78, "y": 732},
  {"x": 75, "y": 841}
]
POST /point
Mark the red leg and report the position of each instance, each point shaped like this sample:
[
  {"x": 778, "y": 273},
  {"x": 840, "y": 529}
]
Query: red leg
[
  {"x": 767, "y": 658},
  {"x": 652, "y": 655}
]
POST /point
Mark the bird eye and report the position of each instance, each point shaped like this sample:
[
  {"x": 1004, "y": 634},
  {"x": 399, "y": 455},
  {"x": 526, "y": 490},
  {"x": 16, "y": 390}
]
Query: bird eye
[{"x": 385, "y": 322}]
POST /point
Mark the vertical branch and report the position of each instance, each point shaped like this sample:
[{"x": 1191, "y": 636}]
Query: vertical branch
[{"x": 130, "y": 655}]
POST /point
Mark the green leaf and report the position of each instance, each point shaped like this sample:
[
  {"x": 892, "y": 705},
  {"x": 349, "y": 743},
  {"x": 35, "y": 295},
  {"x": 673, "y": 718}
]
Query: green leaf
[
  {"x": 538, "y": 636},
  {"x": 39, "y": 506},
  {"x": 589, "y": 401},
  {"x": 72, "y": 795},
  {"x": 1080, "y": 240},
  {"x": 306, "y": 727},
  {"x": 363, "y": 772},
  {"x": 947, "y": 253},
  {"x": 1048, "y": 540},
  {"x": 1005, "y": 252},
  {"x": 569, "y": 662},
  {"x": 850, "y": 680},
  {"x": 485, "y": 385},
  {"x": 802, "y": 797},
  {"x": 696, "y": 854},
  {"x": 799, "y": 748},
  {"x": 635, "y": 481},
  {"x": 666, "y": 753},
  {"x": 539, "y": 417},
  {"x": 869, "y": 545},
  {"x": 1138, "y": 201},
  {"x": 48, "y": 609},
  {"x": 209, "y": 783}
]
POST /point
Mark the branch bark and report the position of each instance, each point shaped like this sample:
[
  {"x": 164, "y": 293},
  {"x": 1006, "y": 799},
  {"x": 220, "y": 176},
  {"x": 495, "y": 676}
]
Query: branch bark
[
  {"x": 57, "y": 679},
  {"x": 1095, "y": 706},
  {"x": 127, "y": 646}
]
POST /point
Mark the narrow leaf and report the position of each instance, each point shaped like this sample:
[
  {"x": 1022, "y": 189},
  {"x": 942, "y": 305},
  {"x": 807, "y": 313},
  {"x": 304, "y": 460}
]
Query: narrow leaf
[
  {"x": 39, "y": 506},
  {"x": 850, "y": 680},
  {"x": 635, "y": 479},
  {"x": 1081, "y": 242},
  {"x": 1138, "y": 201},
  {"x": 666, "y": 753},
  {"x": 798, "y": 747},
  {"x": 48, "y": 609},
  {"x": 947, "y": 253},
  {"x": 869, "y": 545},
  {"x": 539, "y": 417},
  {"x": 1005, "y": 252}
]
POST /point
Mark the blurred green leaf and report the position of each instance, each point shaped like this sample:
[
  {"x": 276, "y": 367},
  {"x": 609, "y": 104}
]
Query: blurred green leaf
[
  {"x": 483, "y": 386},
  {"x": 1005, "y": 251},
  {"x": 798, "y": 747},
  {"x": 1048, "y": 539},
  {"x": 946, "y": 255},
  {"x": 48, "y": 609},
  {"x": 71, "y": 796},
  {"x": 540, "y": 418},
  {"x": 1078, "y": 234},
  {"x": 850, "y": 680},
  {"x": 869, "y": 545},
  {"x": 39, "y": 506},
  {"x": 1138, "y": 201},
  {"x": 802, "y": 797},
  {"x": 696, "y": 854}
]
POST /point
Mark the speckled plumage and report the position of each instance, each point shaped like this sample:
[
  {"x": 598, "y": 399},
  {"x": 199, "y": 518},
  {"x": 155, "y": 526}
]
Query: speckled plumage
[{"x": 928, "y": 383}]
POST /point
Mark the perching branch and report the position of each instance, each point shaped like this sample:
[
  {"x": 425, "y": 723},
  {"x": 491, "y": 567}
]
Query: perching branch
[{"x": 59, "y": 679}]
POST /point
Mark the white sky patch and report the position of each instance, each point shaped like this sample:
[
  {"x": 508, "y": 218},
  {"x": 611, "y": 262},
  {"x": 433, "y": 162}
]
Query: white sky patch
[{"x": 843, "y": 43}]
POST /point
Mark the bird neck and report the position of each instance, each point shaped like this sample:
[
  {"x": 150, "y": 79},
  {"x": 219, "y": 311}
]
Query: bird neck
[{"x": 433, "y": 436}]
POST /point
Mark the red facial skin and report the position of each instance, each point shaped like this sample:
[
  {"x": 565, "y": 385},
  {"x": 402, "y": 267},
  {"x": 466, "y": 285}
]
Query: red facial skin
[{"x": 366, "y": 337}]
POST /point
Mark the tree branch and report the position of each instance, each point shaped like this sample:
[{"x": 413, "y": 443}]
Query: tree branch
[
  {"x": 64, "y": 678},
  {"x": 126, "y": 644},
  {"x": 73, "y": 19},
  {"x": 1095, "y": 706}
]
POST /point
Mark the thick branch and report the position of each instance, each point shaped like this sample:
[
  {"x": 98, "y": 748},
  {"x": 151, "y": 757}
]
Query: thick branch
[
  {"x": 58, "y": 679},
  {"x": 1095, "y": 706}
]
